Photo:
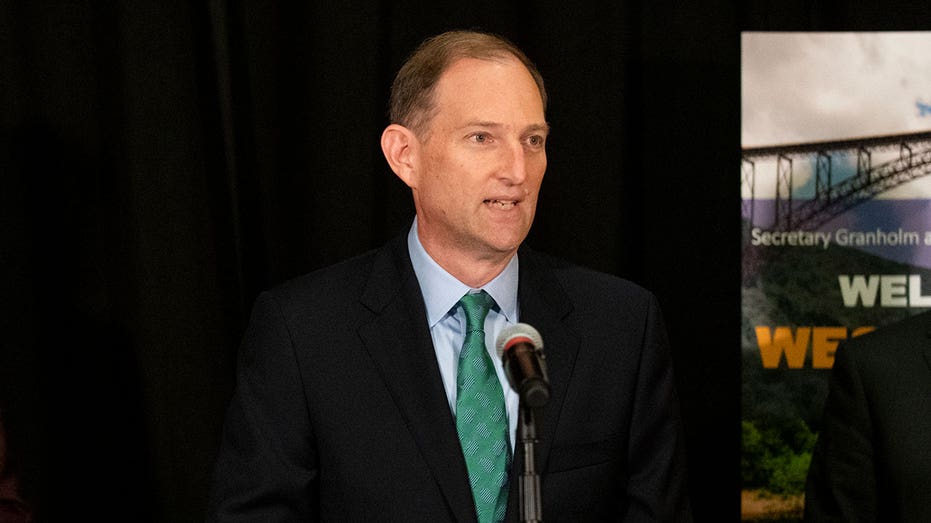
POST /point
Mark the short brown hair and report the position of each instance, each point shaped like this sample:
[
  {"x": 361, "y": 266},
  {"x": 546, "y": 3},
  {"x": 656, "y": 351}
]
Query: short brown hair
[{"x": 412, "y": 102}]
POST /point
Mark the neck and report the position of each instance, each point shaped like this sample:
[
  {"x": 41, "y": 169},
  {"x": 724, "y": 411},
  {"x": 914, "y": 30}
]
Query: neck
[{"x": 472, "y": 269}]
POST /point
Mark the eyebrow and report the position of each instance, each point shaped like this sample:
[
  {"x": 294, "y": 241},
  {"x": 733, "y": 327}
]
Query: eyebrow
[{"x": 543, "y": 128}]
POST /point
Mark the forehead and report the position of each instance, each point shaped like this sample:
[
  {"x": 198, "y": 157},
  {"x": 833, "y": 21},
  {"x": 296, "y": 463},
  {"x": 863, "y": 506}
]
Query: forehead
[{"x": 488, "y": 85}]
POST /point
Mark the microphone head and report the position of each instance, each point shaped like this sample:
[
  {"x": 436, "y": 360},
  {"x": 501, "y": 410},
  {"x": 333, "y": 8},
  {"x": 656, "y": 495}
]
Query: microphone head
[
  {"x": 520, "y": 332},
  {"x": 520, "y": 348}
]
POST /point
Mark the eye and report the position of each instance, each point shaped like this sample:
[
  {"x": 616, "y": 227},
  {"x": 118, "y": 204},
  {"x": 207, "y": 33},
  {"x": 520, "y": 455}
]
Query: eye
[
  {"x": 536, "y": 140},
  {"x": 480, "y": 138}
]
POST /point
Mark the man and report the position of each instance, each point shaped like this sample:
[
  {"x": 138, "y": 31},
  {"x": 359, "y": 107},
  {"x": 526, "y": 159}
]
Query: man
[
  {"x": 872, "y": 461},
  {"x": 370, "y": 390}
]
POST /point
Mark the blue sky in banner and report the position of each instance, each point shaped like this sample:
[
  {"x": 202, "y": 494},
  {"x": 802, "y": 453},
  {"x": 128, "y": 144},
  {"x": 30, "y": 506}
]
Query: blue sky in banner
[{"x": 805, "y": 87}]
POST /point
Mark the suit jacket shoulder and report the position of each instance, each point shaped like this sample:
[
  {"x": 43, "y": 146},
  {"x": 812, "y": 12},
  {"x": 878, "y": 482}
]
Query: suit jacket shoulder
[
  {"x": 872, "y": 461},
  {"x": 892, "y": 345},
  {"x": 597, "y": 299}
]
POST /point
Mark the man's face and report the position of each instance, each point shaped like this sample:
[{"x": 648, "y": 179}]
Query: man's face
[{"x": 482, "y": 160}]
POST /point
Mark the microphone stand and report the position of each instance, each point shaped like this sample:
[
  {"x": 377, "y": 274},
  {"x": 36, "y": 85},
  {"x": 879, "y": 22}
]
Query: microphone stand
[{"x": 531, "y": 504}]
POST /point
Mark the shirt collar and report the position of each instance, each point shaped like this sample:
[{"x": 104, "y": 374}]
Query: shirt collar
[{"x": 442, "y": 291}]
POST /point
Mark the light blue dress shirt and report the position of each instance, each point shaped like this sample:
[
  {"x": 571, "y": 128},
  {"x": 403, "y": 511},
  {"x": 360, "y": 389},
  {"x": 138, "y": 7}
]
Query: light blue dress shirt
[{"x": 441, "y": 294}]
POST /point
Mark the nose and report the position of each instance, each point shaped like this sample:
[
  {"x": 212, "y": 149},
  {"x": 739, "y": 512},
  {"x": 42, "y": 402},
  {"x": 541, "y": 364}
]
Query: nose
[{"x": 514, "y": 170}]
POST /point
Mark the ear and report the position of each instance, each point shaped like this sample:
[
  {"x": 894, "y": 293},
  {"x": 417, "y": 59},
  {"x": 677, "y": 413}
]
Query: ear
[{"x": 400, "y": 147}]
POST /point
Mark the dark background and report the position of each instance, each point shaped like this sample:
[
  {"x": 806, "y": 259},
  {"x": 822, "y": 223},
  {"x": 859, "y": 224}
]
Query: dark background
[{"x": 163, "y": 162}]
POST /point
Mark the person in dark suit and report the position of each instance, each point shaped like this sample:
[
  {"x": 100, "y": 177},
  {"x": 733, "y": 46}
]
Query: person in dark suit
[
  {"x": 872, "y": 461},
  {"x": 351, "y": 400}
]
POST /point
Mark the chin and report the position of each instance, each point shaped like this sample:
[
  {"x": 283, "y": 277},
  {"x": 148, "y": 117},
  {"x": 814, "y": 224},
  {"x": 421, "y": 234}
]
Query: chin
[{"x": 508, "y": 244}]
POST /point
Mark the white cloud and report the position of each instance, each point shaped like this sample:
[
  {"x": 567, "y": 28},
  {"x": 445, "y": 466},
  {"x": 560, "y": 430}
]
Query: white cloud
[{"x": 804, "y": 87}]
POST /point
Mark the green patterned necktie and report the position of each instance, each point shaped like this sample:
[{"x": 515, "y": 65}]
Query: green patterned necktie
[{"x": 480, "y": 415}]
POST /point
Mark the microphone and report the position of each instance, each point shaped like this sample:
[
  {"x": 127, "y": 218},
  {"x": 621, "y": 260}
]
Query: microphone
[{"x": 521, "y": 350}]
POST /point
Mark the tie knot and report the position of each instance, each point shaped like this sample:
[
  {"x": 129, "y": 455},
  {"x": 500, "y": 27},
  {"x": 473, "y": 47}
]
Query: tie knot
[{"x": 476, "y": 307}]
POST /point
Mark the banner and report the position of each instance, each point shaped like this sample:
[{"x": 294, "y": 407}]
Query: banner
[{"x": 836, "y": 238}]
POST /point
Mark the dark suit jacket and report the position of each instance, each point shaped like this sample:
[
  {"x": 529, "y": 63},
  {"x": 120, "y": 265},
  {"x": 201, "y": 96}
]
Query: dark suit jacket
[
  {"x": 340, "y": 412},
  {"x": 872, "y": 461}
]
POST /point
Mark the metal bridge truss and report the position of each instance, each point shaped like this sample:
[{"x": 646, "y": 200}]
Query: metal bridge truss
[{"x": 832, "y": 199}]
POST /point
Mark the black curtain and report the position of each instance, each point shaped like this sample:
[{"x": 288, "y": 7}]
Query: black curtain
[{"x": 163, "y": 162}]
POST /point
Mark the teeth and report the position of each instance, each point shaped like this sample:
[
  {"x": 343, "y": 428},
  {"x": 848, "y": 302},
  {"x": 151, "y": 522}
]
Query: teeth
[{"x": 504, "y": 204}]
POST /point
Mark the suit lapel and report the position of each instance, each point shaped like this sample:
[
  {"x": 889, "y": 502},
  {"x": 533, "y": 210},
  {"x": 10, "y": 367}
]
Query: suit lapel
[
  {"x": 545, "y": 306},
  {"x": 398, "y": 341}
]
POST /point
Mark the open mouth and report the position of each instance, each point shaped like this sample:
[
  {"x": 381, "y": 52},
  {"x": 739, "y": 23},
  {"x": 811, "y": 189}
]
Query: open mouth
[{"x": 501, "y": 204}]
